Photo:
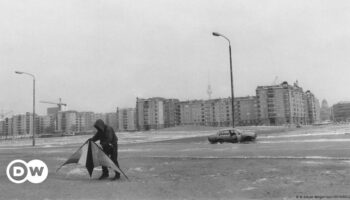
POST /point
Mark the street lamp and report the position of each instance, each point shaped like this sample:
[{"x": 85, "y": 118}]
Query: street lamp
[
  {"x": 232, "y": 96},
  {"x": 18, "y": 72}
]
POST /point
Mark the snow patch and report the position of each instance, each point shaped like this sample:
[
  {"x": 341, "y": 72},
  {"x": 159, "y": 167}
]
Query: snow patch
[
  {"x": 303, "y": 135},
  {"x": 137, "y": 169},
  {"x": 312, "y": 162},
  {"x": 297, "y": 182},
  {"x": 260, "y": 181},
  {"x": 77, "y": 171},
  {"x": 248, "y": 188},
  {"x": 47, "y": 146},
  {"x": 306, "y": 141},
  {"x": 61, "y": 159}
]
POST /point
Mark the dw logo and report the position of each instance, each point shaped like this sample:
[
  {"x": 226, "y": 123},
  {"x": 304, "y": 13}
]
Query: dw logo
[{"x": 35, "y": 171}]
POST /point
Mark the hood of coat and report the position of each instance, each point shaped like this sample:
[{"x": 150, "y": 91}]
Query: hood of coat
[{"x": 99, "y": 125}]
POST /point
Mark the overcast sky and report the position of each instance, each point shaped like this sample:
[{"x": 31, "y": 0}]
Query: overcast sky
[{"x": 101, "y": 54}]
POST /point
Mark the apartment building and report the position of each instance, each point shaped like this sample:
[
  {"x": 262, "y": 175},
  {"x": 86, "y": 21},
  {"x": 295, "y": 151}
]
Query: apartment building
[
  {"x": 341, "y": 112},
  {"x": 9, "y": 126},
  {"x": 85, "y": 121},
  {"x": 52, "y": 110},
  {"x": 247, "y": 111},
  {"x": 281, "y": 104},
  {"x": 67, "y": 121},
  {"x": 171, "y": 112},
  {"x": 63, "y": 121},
  {"x": 150, "y": 113},
  {"x": 21, "y": 125},
  {"x": 218, "y": 112},
  {"x": 312, "y": 108},
  {"x": 2, "y": 128},
  {"x": 46, "y": 124},
  {"x": 193, "y": 112},
  {"x": 126, "y": 118}
]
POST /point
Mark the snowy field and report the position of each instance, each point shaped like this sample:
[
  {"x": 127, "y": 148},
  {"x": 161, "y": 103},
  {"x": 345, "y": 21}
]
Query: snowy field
[
  {"x": 180, "y": 164},
  {"x": 123, "y": 138},
  {"x": 268, "y": 135}
]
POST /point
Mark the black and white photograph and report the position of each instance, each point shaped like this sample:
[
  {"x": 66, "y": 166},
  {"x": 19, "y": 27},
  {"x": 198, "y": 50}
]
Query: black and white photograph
[{"x": 174, "y": 99}]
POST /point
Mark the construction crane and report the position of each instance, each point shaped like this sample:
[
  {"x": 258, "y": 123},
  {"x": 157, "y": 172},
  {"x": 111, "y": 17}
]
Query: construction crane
[
  {"x": 5, "y": 113},
  {"x": 59, "y": 104}
]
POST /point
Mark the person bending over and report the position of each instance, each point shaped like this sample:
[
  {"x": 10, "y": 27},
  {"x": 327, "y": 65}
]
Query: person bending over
[{"x": 109, "y": 142}]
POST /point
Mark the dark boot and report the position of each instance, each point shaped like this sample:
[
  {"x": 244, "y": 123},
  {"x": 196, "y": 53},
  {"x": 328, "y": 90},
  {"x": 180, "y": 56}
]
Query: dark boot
[
  {"x": 104, "y": 173},
  {"x": 103, "y": 176},
  {"x": 116, "y": 176}
]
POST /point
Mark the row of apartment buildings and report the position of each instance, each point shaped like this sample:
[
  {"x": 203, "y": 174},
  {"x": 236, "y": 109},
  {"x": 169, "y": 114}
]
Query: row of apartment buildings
[
  {"x": 55, "y": 122},
  {"x": 272, "y": 105}
]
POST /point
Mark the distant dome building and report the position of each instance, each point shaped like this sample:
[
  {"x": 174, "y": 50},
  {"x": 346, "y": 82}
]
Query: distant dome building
[{"x": 325, "y": 112}]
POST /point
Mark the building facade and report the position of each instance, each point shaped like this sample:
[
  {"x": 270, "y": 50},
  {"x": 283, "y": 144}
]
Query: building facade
[
  {"x": 218, "y": 112},
  {"x": 247, "y": 111},
  {"x": 21, "y": 125},
  {"x": 52, "y": 110},
  {"x": 312, "y": 108},
  {"x": 85, "y": 121},
  {"x": 341, "y": 112},
  {"x": 69, "y": 121},
  {"x": 281, "y": 104},
  {"x": 171, "y": 112},
  {"x": 46, "y": 124},
  {"x": 192, "y": 112},
  {"x": 126, "y": 119},
  {"x": 150, "y": 113},
  {"x": 2, "y": 129},
  {"x": 8, "y": 127}
]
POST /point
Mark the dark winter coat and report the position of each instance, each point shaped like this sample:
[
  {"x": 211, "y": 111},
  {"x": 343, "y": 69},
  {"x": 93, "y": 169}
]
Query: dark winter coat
[{"x": 105, "y": 134}]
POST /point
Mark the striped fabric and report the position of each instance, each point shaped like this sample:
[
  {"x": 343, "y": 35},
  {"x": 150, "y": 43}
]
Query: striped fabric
[{"x": 91, "y": 155}]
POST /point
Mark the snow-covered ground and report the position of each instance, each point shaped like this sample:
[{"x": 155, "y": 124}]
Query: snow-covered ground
[
  {"x": 305, "y": 134},
  {"x": 124, "y": 138},
  {"x": 193, "y": 168}
]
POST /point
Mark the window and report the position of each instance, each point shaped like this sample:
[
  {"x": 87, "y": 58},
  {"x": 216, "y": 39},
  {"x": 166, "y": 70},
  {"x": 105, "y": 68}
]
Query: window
[
  {"x": 224, "y": 133},
  {"x": 233, "y": 132}
]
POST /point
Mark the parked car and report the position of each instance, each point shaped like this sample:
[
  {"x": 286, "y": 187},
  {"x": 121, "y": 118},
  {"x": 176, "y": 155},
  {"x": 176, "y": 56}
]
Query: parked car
[{"x": 232, "y": 135}]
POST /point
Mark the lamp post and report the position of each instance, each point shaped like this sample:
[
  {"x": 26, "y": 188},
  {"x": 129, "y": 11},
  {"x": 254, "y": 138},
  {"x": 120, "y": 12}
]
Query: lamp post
[
  {"x": 232, "y": 95},
  {"x": 18, "y": 72}
]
